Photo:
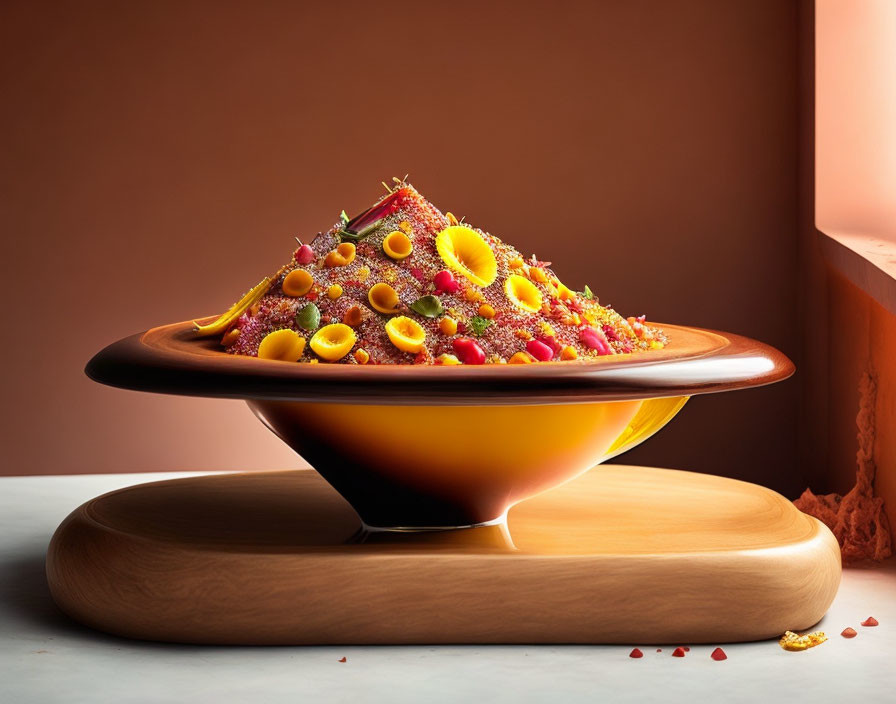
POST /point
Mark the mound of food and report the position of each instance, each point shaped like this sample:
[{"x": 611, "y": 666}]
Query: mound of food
[{"x": 402, "y": 283}]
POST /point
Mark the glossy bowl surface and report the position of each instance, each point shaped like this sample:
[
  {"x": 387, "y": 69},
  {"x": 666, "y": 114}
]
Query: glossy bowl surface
[{"x": 428, "y": 447}]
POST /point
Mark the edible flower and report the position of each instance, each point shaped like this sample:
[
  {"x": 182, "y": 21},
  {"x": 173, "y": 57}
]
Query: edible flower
[
  {"x": 283, "y": 345},
  {"x": 465, "y": 251},
  {"x": 383, "y": 298},
  {"x": 406, "y": 334},
  {"x": 522, "y": 293},
  {"x": 333, "y": 342},
  {"x": 397, "y": 245}
]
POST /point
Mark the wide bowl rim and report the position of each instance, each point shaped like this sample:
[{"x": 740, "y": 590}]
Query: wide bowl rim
[{"x": 169, "y": 359}]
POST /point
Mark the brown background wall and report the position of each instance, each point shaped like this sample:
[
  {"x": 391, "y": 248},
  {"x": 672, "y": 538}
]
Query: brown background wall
[{"x": 158, "y": 157}]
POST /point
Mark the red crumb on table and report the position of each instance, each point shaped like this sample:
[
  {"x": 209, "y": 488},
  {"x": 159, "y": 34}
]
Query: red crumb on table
[
  {"x": 636, "y": 653},
  {"x": 687, "y": 649},
  {"x": 849, "y": 633},
  {"x": 718, "y": 654},
  {"x": 659, "y": 650},
  {"x": 342, "y": 659},
  {"x": 678, "y": 653},
  {"x": 870, "y": 621}
]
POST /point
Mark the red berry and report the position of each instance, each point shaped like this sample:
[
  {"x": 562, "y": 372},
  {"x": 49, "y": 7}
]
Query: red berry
[
  {"x": 304, "y": 254},
  {"x": 539, "y": 350},
  {"x": 468, "y": 351},
  {"x": 445, "y": 282}
]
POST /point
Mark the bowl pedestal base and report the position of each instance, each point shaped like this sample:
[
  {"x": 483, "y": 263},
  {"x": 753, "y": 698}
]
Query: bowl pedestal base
[{"x": 619, "y": 555}]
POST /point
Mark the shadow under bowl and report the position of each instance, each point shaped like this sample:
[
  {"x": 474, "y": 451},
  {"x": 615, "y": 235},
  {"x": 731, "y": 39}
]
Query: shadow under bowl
[{"x": 429, "y": 448}]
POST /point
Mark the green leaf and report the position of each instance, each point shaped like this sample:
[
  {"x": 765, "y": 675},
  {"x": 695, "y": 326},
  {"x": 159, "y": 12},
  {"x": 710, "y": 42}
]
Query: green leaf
[
  {"x": 344, "y": 217},
  {"x": 479, "y": 324},
  {"x": 428, "y": 306},
  {"x": 588, "y": 292},
  {"x": 308, "y": 318}
]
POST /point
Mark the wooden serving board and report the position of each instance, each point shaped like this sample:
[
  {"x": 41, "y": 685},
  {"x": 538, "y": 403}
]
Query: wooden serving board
[{"x": 619, "y": 555}]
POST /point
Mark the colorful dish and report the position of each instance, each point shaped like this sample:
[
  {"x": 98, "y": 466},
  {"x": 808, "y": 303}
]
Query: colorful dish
[
  {"x": 403, "y": 283},
  {"x": 409, "y": 445}
]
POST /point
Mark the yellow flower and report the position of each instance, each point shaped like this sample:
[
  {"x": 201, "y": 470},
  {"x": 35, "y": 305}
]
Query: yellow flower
[
  {"x": 285, "y": 345},
  {"x": 406, "y": 334},
  {"x": 397, "y": 245},
  {"x": 463, "y": 250},
  {"x": 333, "y": 341},
  {"x": 522, "y": 293},
  {"x": 383, "y": 298}
]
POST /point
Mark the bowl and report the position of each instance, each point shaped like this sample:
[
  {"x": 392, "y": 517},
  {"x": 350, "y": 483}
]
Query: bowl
[{"x": 416, "y": 448}]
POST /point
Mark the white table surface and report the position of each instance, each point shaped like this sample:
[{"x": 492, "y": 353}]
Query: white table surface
[{"x": 45, "y": 657}]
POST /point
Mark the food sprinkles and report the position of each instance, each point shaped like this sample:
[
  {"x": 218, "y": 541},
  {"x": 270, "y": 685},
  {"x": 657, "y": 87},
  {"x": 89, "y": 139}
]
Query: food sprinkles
[
  {"x": 636, "y": 653},
  {"x": 403, "y": 283},
  {"x": 849, "y": 633},
  {"x": 870, "y": 621},
  {"x": 794, "y": 641}
]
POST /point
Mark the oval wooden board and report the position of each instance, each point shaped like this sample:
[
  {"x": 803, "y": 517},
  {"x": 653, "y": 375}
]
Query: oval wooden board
[
  {"x": 619, "y": 555},
  {"x": 169, "y": 359}
]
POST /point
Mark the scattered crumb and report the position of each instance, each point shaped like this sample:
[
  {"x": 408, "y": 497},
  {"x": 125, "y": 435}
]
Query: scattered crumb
[
  {"x": 794, "y": 641},
  {"x": 849, "y": 633},
  {"x": 636, "y": 653},
  {"x": 719, "y": 654},
  {"x": 870, "y": 621},
  {"x": 678, "y": 653},
  {"x": 342, "y": 659}
]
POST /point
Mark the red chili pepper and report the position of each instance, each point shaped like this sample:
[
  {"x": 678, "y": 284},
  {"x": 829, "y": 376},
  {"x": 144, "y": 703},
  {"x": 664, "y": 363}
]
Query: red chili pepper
[
  {"x": 468, "y": 351},
  {"x": 636, "y": 653},
  {"x": 718, "y": 654},
  {"x": 539, "y": 350}
]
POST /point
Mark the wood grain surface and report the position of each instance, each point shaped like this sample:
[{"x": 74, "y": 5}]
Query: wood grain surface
[
  {"x": 620, "y": 555},
  {"x": 169, "y": 359}
]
